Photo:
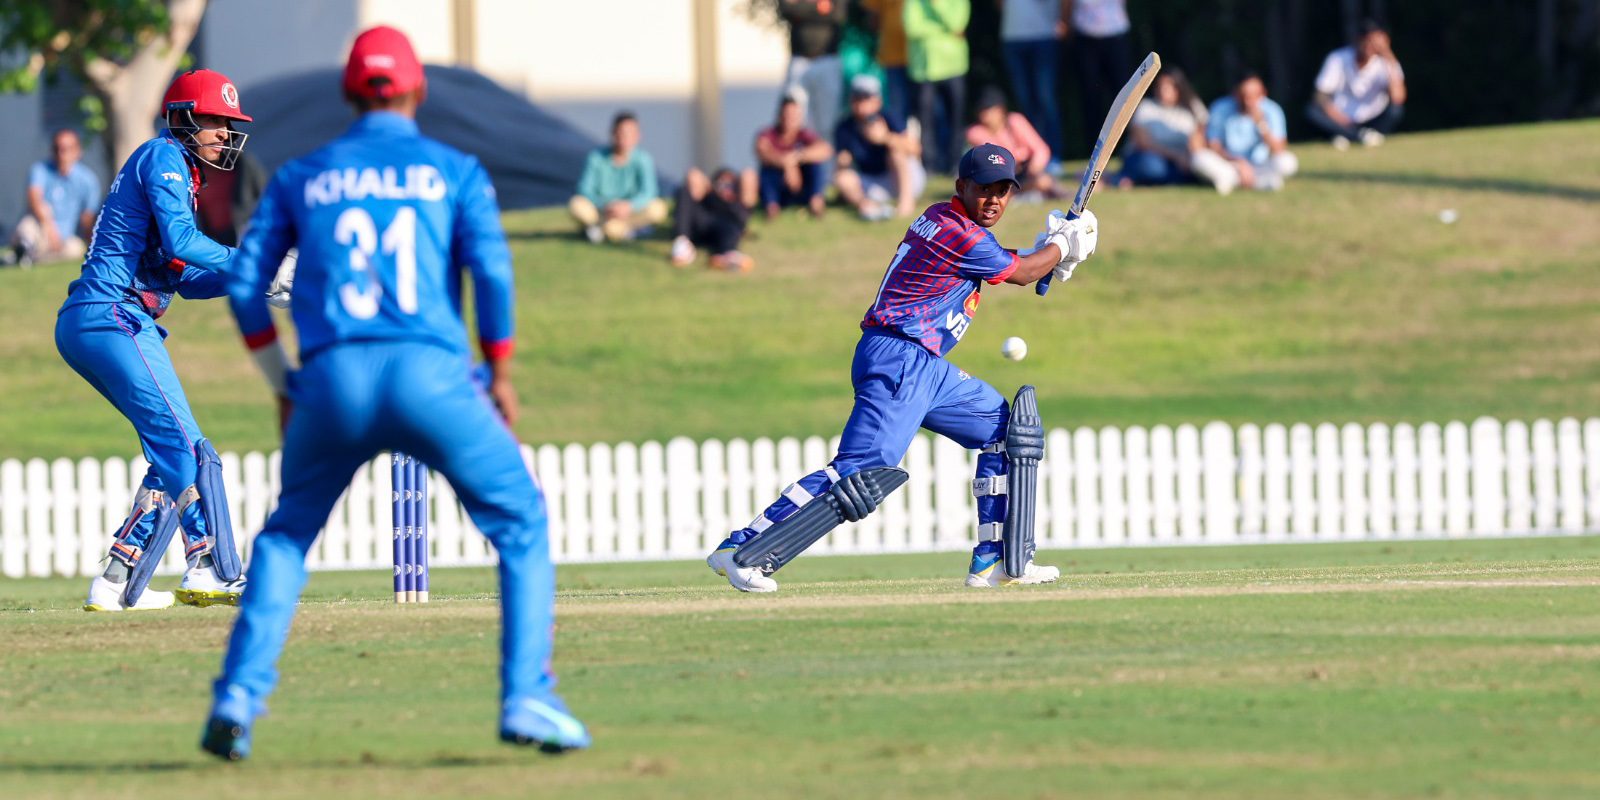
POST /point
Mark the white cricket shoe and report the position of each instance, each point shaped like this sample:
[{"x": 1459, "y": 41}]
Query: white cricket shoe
[
  {"x": 994, "y": 574},
  {"x": 107, "y": 596},
  {"x": 745, "y": 579},
  {"x": 201, "y": 587},
  {"x": 1371, "y": 138}
]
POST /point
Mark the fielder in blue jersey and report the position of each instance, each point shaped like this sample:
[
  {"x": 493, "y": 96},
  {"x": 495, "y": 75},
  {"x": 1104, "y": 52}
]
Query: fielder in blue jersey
[
  {"x": 385, "y": 221},
  {"x": 145, "y": 249},
  {"x": 902, "y": 380}
]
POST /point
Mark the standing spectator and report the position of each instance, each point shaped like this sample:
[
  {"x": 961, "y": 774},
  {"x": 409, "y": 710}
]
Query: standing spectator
[
  {"x": 1001, "y": 126},
  {"x": 936, "y": 50},
  {"x": 888, "y": 21},
  {"x": 1361, "y": 90},
  {"x": 816, "y": 28},
  {"x": 1029, "y": 32},
  {"x": 63, "y": 196},
  {"x": 792, "y": 159},
  {"x": 617, "y": 195},
  {"x": 879, "y": 166},
  {"x": 227, "y": 198},
  {"x": 1247, "y": 128},
  {"x": 1099, "y": 44},
  {"x": 1166, "y": 140},
  {"x": 712, "y": 213}
]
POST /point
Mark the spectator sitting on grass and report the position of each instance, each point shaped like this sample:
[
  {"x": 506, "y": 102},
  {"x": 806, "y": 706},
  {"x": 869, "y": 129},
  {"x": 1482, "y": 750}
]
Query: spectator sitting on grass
[
  {"x": 63, "y": 196},
  {"x": 1165, "y": 140},
  {"x": 712, "y": 214},
  {"x": 1361, "y": 90},
  {"x": 617, "y": 195},
  {"x": 1248, "y": 129},
  {"x": 878, "y": 165},
  {"x": 1011, "y": 130},
  {"x": 791, "y": 157}
]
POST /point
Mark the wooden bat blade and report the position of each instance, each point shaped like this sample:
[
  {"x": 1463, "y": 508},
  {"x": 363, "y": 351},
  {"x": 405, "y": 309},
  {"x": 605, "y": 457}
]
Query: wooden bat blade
[
  {"x": 1110, "y": 133},
  {"x": 1111, "y": 130}
]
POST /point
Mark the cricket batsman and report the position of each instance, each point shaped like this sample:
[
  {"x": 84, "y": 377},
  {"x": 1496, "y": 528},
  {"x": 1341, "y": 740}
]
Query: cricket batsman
[
  {"x": 386, "y": 221},
  {"x": 902, "y": 381},
  {"x": 146, "y": 248}
]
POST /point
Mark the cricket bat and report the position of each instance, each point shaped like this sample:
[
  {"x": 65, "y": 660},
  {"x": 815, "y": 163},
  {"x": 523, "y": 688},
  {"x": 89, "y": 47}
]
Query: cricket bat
[{"x": 1110, "y": 132}]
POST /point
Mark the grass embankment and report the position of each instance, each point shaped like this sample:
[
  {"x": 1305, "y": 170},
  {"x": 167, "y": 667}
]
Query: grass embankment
[{"x": 1341, "y": 298}]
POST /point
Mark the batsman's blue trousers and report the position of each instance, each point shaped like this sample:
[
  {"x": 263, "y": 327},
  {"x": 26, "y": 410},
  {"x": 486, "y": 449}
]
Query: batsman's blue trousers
[
  {"x": 351, "y": 401},
  {"x": 118, "y": 349},
  {"x": 900, "y": 387}
]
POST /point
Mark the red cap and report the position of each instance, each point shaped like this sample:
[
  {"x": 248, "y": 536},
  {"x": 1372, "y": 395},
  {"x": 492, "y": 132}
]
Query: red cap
[
  {"x": 382, "y": 52},
  {"x": 203, "y": 92}
]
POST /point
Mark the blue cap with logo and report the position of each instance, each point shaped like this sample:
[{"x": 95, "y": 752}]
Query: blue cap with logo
[{"x": 988, "y": 163}]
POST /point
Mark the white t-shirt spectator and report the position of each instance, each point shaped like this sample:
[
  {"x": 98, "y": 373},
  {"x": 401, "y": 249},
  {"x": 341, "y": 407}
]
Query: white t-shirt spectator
[
  {"x": 1029, "y": 20},
  {"x": 1100, "y": 18},
  {"x": 1168, "y": 126},
  {"x": 1360, "y": 92}
]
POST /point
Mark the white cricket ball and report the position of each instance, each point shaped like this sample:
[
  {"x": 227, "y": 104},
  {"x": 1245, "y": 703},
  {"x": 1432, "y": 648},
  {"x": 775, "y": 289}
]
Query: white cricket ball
[
  {"x": 1014, "y": 348},
  {"x": 1448, "y": 216}
]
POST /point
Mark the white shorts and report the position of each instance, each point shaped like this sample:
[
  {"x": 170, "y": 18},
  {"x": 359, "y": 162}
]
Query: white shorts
[{"x": 881, "y": 188}]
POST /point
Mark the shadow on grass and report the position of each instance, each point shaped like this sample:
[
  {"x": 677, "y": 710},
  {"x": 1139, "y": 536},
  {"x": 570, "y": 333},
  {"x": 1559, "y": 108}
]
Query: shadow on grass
[
  {"x": 1466, "y": 182},
  {"x": 365, "y": 759}
]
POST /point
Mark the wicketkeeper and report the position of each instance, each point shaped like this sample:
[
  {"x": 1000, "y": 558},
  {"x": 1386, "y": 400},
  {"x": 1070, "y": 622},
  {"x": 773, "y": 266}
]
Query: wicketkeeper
[
  {"x": 145, "y": 249},
  {"x": 902, "y": 382}
]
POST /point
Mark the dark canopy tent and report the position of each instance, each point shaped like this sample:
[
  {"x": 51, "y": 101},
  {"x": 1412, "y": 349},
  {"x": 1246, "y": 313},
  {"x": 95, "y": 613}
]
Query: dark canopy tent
[{"x": 533, "y": 157}]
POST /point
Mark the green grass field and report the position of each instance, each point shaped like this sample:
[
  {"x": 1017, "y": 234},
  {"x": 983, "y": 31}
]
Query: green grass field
[
  {"x": 1374, "y": 670},
  {"x": 1343, "y": 298}
]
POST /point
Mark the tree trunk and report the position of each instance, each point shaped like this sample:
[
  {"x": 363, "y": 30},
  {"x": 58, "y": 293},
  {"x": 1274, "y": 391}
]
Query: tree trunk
[{"x": 131, "y": 92}]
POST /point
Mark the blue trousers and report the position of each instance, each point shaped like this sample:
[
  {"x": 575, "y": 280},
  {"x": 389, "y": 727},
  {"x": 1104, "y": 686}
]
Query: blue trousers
[
  {"x": 773, "y": 190},
  {"x": 1032, "y": 66},
  {"x": 118, "y": 349},
  {"x": 901, "y": 387},
  {"x": 350, "y": 402}
]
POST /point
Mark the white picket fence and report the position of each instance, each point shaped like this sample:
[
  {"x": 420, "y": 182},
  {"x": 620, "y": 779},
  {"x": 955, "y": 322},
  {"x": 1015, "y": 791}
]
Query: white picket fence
[{"x": 1106, "y": 487}]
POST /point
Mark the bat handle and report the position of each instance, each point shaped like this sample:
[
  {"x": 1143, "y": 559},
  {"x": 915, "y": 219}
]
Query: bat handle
[{"x": 1044, "y": 283}]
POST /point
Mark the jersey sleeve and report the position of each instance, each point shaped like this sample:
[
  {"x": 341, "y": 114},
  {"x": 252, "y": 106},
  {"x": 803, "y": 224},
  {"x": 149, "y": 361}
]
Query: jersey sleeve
[
  {"x": 982, "y": 258},
  {"x": 165, "y": 175},
  {"x": 480, "y": 248},
  {"x": 1329, "y": 78},
  {"x": 266, "y": 240},
  {"x": 201, "y": 284}
]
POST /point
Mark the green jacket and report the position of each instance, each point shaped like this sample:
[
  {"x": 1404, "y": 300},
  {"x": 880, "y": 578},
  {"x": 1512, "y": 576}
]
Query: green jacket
[{"x": 935, "y": 46}]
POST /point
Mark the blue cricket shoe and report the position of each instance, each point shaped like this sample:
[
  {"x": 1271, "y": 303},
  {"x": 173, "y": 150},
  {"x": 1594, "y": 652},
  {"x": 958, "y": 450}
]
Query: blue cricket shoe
[
  {"x": 227, "y": 731},
  {"x": 546, "y": 723}
]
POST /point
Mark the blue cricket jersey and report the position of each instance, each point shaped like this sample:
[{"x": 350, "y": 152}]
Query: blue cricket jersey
[
  {"x": 383, "y": 219},
  {"x": 930, "y": 290},
  {"x": 146, "y": 247}
]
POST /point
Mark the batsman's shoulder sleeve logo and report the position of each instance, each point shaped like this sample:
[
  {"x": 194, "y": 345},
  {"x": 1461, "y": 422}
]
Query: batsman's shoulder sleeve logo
[{"x": 171, "y": 176}]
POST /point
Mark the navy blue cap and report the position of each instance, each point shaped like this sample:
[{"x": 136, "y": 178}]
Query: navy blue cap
[{"x": 988, "y": 163}]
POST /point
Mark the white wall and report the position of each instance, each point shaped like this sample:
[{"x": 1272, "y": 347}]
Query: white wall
[{"x": 581, "y": 61}]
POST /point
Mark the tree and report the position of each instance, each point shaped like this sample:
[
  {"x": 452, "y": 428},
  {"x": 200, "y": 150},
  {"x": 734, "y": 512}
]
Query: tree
[{"x": 123, "y": 51}]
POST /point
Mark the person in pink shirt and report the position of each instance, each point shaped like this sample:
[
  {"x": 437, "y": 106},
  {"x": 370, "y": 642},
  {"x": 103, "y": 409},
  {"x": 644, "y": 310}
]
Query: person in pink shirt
[{"x": 1011, "y": 130}]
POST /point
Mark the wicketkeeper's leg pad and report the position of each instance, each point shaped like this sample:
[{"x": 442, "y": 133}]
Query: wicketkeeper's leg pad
[
  {"x": 145, "y": 560},
  {"x": 208, "y": 490},
  {"x": 850, "y": 499}
]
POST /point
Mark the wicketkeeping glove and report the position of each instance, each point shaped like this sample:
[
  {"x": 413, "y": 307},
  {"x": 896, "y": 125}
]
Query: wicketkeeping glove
[{"x": 283, "y": 283}]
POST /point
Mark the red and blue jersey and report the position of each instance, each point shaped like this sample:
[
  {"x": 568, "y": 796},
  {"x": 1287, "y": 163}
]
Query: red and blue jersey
[{"x": 930, "y": 290}]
